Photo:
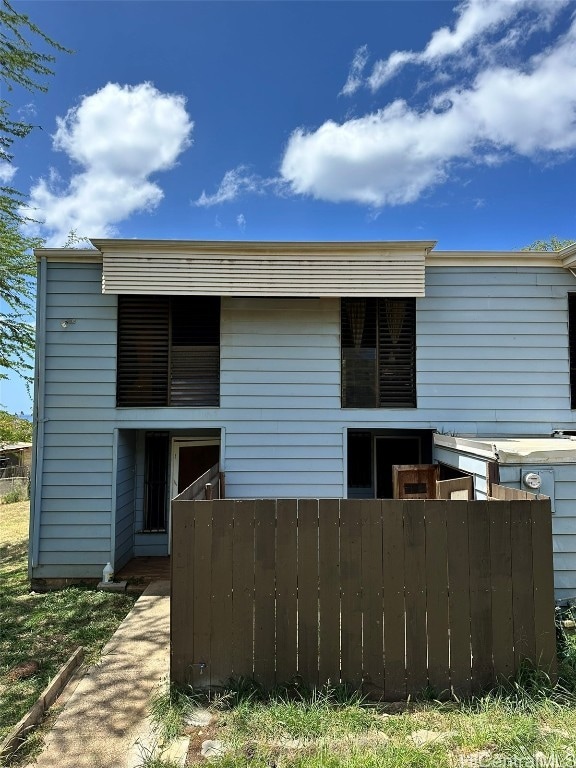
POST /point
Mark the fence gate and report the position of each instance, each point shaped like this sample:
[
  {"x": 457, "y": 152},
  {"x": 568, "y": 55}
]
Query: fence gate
[{"x": 393, "y": 597}]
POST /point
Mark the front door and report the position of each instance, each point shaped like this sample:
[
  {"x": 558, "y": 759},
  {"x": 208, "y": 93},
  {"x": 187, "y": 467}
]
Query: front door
[{"x": 191, "y": 457}]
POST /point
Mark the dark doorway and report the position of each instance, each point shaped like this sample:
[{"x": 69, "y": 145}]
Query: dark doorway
[
  {"x": 372, "y": 454},
  {"x": 390, "y": 451},
  {"x": 193, "y": 461}
]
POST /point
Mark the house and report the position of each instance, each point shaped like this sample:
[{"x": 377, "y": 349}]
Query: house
[
  {"x": 15, "y": 461},
  {"x": 303, "y": 369}
]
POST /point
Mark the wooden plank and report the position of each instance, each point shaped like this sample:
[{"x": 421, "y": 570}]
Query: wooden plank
[
  {"x": 286, "y": 590},
  {"x": 308, "y": 590},
  {"x": 243, "y": 590},
  {"x": 414, "y": 481},
  {"x": 437, "y": 597},
  {"x": 372, "y": 601},
  {"x": 350, "y": 574},
  {"x": 182, "y": 595},
  {"x": 492, "y": 476},
  {"x": 329, "y": 590},
  {"x": 415, "y": 597},
  {"x": 264, "y": 592},
  {"x": 480, "y": 595},
  {"x": 501, "y": 586},
  {"x": 221, "y": 639},
  {"x": 202, "y": 587},
  {"x": 544, "y": 628},
  {"x": 459, "y": 488},
  {"x": 393, "y": 600},
  {"x": 522, "y": 583},
  {"x": 459, "y": 597}
]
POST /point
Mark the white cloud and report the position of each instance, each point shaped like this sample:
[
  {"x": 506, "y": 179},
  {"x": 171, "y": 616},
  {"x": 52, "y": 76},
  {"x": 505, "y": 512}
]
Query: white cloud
[
  {"x": 354, "y": 80},
  {"x": 118, "y": 136},
  {"x": 241, "y": 221},
  {"x": 7, "y": 172},
  {"x": 234, "y": 182},
  {"x": 392, "y": 156},
  {"x": 475, "y": 20}
]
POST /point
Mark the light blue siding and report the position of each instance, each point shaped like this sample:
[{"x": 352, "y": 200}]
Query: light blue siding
[
  {"x": 125, "y": 498},
  {"x": 76, "y": 493},
  {"x": 280, "y": 364},
  {"x": 492, "y": 359}
]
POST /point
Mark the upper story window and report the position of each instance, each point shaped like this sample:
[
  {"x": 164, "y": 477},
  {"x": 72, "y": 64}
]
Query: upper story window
[
  {"x": 168, "y": 351},
  {"x": 378, "y": 353}
]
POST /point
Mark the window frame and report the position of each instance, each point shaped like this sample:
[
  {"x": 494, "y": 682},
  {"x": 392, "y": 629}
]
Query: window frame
[{"x": 383, "y": 314}]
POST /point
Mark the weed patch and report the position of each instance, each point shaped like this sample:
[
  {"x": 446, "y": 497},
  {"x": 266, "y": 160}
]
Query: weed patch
[{"x": 42, "y": 628}]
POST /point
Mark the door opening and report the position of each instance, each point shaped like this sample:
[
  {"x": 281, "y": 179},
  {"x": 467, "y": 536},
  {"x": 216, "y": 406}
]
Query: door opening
[{"x": 372, "y": 454}]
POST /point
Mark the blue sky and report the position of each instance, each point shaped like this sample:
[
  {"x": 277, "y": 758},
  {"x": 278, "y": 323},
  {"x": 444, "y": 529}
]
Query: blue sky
[{"x": 303, "y": 120}]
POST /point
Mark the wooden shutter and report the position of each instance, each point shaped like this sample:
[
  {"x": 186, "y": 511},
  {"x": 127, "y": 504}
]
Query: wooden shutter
[
  {"x": 378, "y": 353},
  {"x": 195, "y": 352},
  {"x": 572, "y": 344},
  {"x": 397, "y": 353},
  {"x": 143, "y": 350}
]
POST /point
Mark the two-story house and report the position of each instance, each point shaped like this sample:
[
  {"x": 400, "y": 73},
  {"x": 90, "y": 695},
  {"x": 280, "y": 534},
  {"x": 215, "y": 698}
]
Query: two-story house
[{"x": 304, "y": 369}]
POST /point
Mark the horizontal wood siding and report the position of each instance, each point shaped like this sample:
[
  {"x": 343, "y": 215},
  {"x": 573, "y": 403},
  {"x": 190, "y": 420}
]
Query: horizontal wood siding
[
  {"x": 492, "y": 360},
  {"x": 125, "y": 491},
  {"x": 76, "y": 524},
  {"x": 281, "y": 360}
]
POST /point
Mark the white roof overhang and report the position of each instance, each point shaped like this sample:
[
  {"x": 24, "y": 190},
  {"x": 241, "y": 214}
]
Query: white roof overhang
[
  {"x": 320, "y": 269},
  {"x": 513, "y": 450}
]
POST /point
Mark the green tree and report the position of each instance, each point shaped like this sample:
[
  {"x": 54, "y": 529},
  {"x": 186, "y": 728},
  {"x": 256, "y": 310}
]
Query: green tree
[
  {"x": 13, "y": 429},
  {"x": 552, "y": 244},
  {"x": 21, "y": 65}
]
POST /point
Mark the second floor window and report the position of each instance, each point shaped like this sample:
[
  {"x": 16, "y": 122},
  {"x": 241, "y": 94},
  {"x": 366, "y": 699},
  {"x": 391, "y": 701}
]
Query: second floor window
[
  {"x": 378, "y": 353},
  {"x": 168, "y": 351}
]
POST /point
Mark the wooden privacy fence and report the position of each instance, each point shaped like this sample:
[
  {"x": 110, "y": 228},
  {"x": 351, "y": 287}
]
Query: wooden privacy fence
[{"x": 393, "y": 597}]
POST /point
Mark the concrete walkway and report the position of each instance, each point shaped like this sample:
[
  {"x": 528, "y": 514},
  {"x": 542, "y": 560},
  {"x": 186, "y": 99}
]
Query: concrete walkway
[{"x": 104, "y": 724}]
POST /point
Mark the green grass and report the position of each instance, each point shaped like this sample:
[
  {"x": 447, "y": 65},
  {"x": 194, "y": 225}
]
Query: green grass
[
  {"x": 528, "y": 723},
  {"x": 43, "y": 627}
]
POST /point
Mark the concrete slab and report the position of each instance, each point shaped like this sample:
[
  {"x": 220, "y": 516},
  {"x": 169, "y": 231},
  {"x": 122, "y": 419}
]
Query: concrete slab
[{"x": 107, "y": 715}]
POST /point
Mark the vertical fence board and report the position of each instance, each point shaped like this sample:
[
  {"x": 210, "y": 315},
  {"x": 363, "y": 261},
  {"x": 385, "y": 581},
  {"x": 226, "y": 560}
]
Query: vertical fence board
[
  {"x": 350, "y": 570},
  {"x": 202, "y": 586},
  {"x": 372, "y": 605},
  {"x": 243, "y": 589},
  {"x": 308, "y": 590},
  {"x": 325, "y": 588},
  {"x": 393, "y": 581},
  {"x": 264, "y": 591},
  {"x": 182, "y": 596},
  {"x": 437, "y": 597},
  {"x": 480, "y": 597},
  {"x": 286, "y": 590},
  {"x": 523, "y": 582},
  {"x": 221, "y": 602},
  {"x": 329, "y": 590},
  {"x": 415, "y": 579},
  {"x": 501, "y": 586},
  {"x": 459, "y": 596},
  {"x": 545, "y": 635}
]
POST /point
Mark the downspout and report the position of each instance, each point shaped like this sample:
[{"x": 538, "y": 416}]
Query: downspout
[{"x": 39, "y": 417}]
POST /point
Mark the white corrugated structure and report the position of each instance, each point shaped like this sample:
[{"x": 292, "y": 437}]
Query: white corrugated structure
[{"x": 264, "y": 269}]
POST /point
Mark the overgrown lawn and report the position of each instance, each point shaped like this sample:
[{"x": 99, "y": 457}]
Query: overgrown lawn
[{"x": 45, "y": 628}]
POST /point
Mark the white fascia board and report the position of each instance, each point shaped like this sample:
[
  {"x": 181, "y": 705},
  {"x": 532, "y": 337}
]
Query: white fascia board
[{"x": 494, "y": 259}]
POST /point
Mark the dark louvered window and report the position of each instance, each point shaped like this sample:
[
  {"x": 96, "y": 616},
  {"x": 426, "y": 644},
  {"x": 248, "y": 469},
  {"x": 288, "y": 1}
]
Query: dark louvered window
[
  {"x": 378, "y": 353},
  {"x": 168, "y": 351},
  {"x": 572, "y": 343}
]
